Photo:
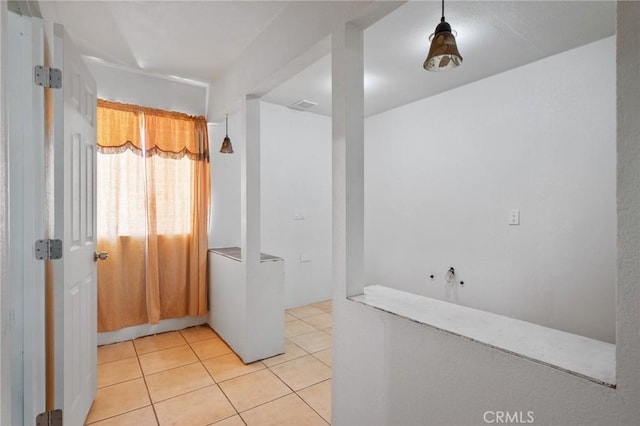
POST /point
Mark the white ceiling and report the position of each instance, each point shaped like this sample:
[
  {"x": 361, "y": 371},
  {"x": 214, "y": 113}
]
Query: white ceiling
[
  {"x": 493, "y": 37},
  {"x": 198, "y": 40},
  {"x": 194, "y": 40}
]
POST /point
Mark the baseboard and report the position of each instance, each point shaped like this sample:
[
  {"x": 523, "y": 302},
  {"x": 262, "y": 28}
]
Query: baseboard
[{"x": 149, "y": 329}]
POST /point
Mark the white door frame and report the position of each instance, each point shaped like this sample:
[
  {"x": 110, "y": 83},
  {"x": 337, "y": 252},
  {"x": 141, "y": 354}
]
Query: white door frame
[
  {"x": 23, "y": 365},
  {"x": 5, "y": 353}
]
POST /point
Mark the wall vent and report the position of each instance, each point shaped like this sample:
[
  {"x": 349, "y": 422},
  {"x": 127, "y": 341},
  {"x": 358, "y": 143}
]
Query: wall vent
[{"x": 303, "y": 104}]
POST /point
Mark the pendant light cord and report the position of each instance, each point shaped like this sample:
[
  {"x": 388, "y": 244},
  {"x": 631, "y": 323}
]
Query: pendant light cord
[
  {"x": 442, "y": 19},
  {"x": 226, "y": 127}
]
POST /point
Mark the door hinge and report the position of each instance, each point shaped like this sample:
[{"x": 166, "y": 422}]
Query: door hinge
[
  {"x": 49, "y": 418},
  {"x": 48, "y": 249},
  {"x": 47, "y": 77}
]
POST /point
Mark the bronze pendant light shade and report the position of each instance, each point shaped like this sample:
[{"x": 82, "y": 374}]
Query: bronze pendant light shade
[
  {"x": 443, "y": 54},
  {"x": 226, "y": 147}
]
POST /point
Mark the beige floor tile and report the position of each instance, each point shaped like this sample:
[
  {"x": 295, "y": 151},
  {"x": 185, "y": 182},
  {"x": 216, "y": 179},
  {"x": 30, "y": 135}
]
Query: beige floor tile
[
  {"x": 328, "y": 330},
  {"x": 118, "y": 399},
  {"x": 231, "y": 421},
  {"x": 197, "y": 408},
  {"x": 228, "y": 366},
  {"x": 325, "y": 356},
  {"x": 291, "y": 351},
  {"x": 253, "y": 389},
  {"x": 302, "y": 312},
  {"x": 210, "y": 348},
  {"x": 177, "y": 381},
  {"x": 313, "y": 342},
  {"x": 142, "y": 417},
  {"x": 154, "y": 362},
  {"x": 297, "y": 327},
  {"x": 326, "y": 306},
  {"x": 158, "y": 342},
  {"x": 118, "y": 371},
  {"x": 302, "y": 372},
  {"x": 319, "y": 398},
  {"x": 116, "y": 351},
  {"x": 289, "y": 317},
  {"x": 320, "y": 321},
  {"x": 195, "y": 334},
  {"x": 287, "y": 411}
]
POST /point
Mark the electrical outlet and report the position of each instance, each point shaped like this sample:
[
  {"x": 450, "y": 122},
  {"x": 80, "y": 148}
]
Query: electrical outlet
[{"x": 298, "y": 214}]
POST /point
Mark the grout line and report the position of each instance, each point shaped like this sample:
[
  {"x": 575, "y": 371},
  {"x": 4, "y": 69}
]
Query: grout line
[
  {"x": 117, "y": 360},
  {"x": 144, "y": 378},
  {"x": 321, "y": 381},
  {"x": 155, "y": 335},
  {"x": 161, "y": 349},
  {"x": 121, "y": 381},
  {"x": 330, "y": 366},
  {"x": 164, "y": 349},
  {"x": 119, "y": 414},
  {"x": 301, "y": 334},
  {"x": 268, "y": 402},
  {"x": 204, "y": 340},
  {"x": 309, "y": 405},
  {"x": 182, "y": 394},
  {"x": 213, "y": 357},
  {"x": 222, "y": 390},
  {"x": 226, "y": 418},
  {"x": 169, "y": 369},
  {"x": 291, "y": 359},
  {"x": 264, "y": 367},
  {"x": 278, "y": 377},
  {"x": 283, "y": 396}
]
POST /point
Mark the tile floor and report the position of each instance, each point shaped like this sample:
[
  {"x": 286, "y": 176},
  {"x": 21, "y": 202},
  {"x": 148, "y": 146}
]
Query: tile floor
[{"x": 191, "y": 377}]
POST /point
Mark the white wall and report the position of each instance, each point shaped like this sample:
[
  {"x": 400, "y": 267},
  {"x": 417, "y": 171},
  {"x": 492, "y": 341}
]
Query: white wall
[
  {"x": 120, "y": 85},
  {"x": 403, "y": 373},
  {"x": 441, "y": 175},
  {"x": 295, "y": 174},
  {"x": 224, "y": 228}
]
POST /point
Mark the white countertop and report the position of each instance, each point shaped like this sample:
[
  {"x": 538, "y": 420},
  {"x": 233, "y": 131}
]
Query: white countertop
[
  {"x": 235, "y": 253},
  {"x": 588, "y": 358}
]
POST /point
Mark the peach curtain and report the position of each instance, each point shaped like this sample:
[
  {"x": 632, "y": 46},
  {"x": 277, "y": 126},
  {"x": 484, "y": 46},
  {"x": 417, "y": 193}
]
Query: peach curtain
[{"x": 153, "y": 207}]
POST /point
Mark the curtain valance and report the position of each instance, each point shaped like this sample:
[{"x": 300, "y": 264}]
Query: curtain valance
[{"x": 152, "y": 131}]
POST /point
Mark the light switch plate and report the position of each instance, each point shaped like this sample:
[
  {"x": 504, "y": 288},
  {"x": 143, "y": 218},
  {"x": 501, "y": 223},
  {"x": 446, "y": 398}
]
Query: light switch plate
[{"x": 514, "y": 217}]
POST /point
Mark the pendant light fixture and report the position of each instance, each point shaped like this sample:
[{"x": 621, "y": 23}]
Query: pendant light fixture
[
  {"x": 443, "y": 54},
  {"x": 226, "y": 147}
]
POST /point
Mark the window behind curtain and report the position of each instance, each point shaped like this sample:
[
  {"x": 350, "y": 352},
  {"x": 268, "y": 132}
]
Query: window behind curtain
[{"x": 153, "y": 204}]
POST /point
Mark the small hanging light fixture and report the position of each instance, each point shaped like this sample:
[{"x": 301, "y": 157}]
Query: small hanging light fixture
[
  {"x": 443, "y": 54},
  {"x": 226, "y": 147}
]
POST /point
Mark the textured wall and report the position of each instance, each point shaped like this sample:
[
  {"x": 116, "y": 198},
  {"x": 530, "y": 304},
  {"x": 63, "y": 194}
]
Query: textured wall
[
  {"x": 120, "y": 85},
  {"x": 441, "y": 175}
]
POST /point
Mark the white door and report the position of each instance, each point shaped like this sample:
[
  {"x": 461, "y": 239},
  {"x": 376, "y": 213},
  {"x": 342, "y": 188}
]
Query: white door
[{"x": 75, "y": 223}]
